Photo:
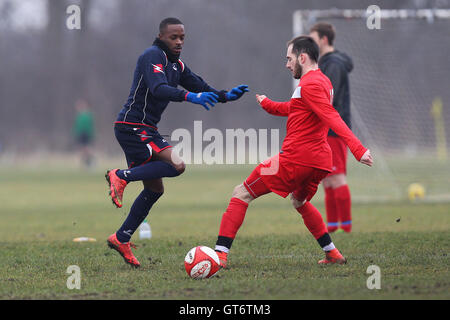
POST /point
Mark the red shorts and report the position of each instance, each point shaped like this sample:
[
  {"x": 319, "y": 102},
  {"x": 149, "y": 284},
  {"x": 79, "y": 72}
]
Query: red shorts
[
  {"x": 339, "y": 151},
  {"x": 284, "y": 178}
]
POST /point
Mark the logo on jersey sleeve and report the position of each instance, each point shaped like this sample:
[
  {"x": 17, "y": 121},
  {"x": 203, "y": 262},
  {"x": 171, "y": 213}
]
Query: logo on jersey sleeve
[
  {"x": 157, "y": 68},
  {"x": 297, "y": 93}
]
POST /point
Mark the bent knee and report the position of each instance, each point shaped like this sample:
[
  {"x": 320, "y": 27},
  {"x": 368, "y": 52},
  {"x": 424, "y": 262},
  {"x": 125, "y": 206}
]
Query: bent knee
[
  {"x": 335, "y": 181},
  {"x": 297, "y": 203},
  {"x": 180, "y": 167},
  {"x": 241, "y": 193}
]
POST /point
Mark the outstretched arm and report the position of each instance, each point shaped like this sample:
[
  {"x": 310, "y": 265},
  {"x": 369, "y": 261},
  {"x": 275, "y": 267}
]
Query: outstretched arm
[
  {"x": 194, "y": 83},
  {"x": 367, "y": 158},
  {"x": 275, "y": 108},
  {"x": 317, "y": 99}
]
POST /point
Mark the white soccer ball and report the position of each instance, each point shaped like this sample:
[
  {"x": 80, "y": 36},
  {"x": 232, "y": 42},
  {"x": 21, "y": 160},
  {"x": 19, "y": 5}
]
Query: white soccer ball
[{"x": 201, "y": 262}]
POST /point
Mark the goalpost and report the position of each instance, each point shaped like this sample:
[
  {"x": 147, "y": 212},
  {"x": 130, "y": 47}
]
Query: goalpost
[{"x": 400, "y": 94}]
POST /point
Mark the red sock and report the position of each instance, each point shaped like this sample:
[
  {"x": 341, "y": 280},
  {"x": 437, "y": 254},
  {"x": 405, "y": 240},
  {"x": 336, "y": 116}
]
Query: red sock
[
  {"x": 331, "y": 210},
  {"x": 232, "y": 218},
  {"x": 344, "y": 205},
  {"x": 313, "y": 220}
]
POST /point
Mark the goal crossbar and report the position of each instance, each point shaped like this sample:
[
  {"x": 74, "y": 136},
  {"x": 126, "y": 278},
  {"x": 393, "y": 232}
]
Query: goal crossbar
[{"x": 307, "y": 16}]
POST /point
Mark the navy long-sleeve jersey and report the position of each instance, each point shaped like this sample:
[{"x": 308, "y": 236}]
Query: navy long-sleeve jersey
[{"x": 155, "y": 82}]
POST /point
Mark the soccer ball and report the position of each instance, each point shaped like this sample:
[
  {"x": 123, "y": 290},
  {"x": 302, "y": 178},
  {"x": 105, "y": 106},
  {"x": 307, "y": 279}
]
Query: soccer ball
[
  {"x": 416, "y": 191},
  {"x": 201, "y": 262}
]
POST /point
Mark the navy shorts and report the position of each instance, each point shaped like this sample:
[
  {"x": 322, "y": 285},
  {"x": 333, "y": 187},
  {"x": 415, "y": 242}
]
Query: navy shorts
[{"x": 139, "y": 142}]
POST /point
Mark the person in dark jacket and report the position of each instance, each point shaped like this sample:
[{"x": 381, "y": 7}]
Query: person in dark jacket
[
  {"x": 336, "y": 65},
  {"x": 159, "y": 70}
]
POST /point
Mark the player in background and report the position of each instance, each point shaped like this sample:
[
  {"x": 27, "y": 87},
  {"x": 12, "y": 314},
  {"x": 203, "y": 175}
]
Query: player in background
[
  {"x": 336, "y": 66},
  {"x": 159, "y": 70},
  {"x": 84, "y": 132},
  {"x": 305, "y": 158}
]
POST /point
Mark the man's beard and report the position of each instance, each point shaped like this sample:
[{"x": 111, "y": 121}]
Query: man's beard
[{"x": 297, "y": 70}]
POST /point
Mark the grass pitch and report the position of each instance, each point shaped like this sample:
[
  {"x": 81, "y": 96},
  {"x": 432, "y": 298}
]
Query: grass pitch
[{"x": 273, "y": 256}]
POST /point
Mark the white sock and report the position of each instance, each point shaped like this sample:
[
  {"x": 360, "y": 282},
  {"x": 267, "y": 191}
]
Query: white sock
[
  {"x": 222, "y": 248},
  {"x": 329, "y": 247}
]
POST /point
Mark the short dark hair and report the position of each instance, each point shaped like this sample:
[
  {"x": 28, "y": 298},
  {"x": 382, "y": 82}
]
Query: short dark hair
[
  {"x": 325, "y": 29},
  {"x": 168, "y": 21},
  {"x": 305, "y": 44}
]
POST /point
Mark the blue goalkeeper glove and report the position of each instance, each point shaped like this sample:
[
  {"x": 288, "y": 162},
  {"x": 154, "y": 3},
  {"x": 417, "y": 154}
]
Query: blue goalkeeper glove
[
  {"x": 236, "y": 92},
  {"x": 203, "y": 98}
]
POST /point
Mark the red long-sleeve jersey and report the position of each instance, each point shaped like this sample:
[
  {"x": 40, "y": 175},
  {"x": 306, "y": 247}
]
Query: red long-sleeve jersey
[{"x": 310, "y": 115}]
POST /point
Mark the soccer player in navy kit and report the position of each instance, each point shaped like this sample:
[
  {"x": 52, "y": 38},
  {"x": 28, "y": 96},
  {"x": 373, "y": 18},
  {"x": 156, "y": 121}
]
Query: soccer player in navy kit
[
  {"x": 158, "y": 72},
  {"x": 336, "y": 65}
]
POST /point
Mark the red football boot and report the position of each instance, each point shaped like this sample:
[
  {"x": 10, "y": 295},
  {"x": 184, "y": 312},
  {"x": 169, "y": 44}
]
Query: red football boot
[
  {"x": 333, "y": 256},
  {"x": 222, "y": 258},
  {"x": 116, "y": 187},
  {"x": 124, "y": 249}
]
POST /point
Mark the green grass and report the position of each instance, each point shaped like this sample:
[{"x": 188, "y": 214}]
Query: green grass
[{"x": 273, "y": 256}]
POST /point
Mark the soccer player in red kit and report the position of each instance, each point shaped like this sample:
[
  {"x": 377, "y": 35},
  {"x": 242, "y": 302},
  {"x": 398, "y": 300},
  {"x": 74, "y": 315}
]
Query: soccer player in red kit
[{"x": 305, "y": 158}]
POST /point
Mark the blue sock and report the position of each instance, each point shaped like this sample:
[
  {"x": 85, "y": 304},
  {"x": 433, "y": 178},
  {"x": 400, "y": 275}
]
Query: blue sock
[
  {"x": 148, "y": 171},
  {"x": 138, "y": 212}
]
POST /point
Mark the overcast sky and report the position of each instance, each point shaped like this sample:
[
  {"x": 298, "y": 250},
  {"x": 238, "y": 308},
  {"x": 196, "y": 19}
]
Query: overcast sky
[
  {"x": 32, "y": 14},
  {"x": 24, "y": 14}
]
